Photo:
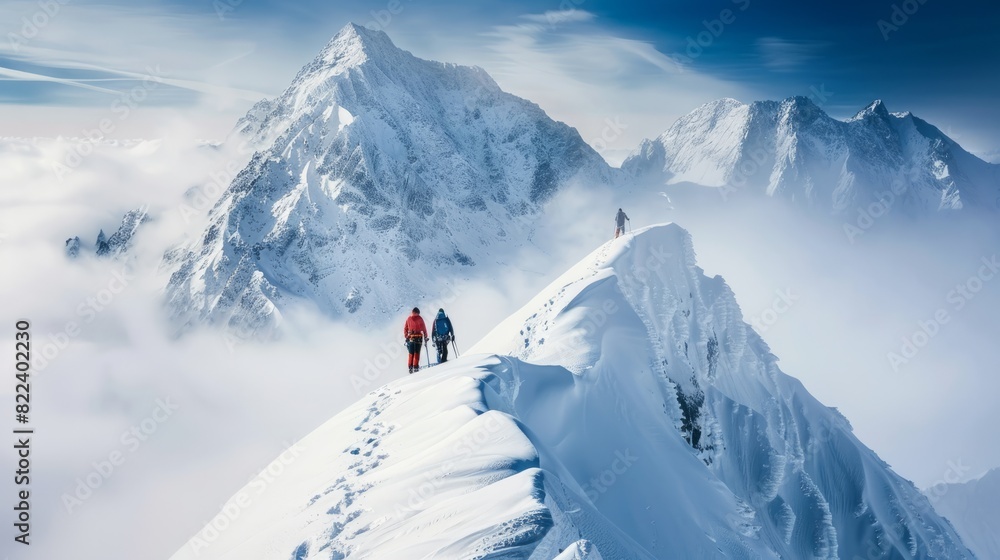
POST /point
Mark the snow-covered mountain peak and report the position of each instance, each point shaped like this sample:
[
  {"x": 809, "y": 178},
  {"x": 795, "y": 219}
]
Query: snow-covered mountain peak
[
  {"x": 875, "y": 108},
  {"x": 377, "y": 173},
  {"x": 799, "y": 109},
  {"x": 354, "y": 64},
  {"x": 355, "y": 44},
  {"x": 625, "y": 412},
  {"x": 793, "y": 150},
  {"x": 715, "y": 109}
]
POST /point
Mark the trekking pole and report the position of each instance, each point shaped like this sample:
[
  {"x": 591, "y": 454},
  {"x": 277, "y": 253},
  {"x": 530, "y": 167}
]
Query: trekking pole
[
  {"x": 428, "y": 353},
  {"x": 455, "y": 346}
]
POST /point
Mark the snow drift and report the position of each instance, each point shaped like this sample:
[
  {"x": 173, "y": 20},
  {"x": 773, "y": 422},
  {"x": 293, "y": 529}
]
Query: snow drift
[{"x": 626, "y": 412}]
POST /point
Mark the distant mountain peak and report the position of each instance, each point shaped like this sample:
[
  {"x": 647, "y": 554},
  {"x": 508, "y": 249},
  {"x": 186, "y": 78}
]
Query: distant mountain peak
[
  {"x": 799, "y": 101},
  {"x": 792, "y": 149},
  {"x": 375, "y": 171},
  {"x": 800, "y": 110},
  {"x": 875, "y": 108}
]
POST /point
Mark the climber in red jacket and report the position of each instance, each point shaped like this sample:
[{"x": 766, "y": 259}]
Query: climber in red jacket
[{"x": 415, "y": 333}]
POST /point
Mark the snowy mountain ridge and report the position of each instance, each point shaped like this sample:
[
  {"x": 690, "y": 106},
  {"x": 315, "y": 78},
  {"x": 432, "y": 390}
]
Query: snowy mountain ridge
[
  {"x": 971, "y": 507},
  {"x": 626, "y": 412},
  {"x": 377, "y": 174},
  {"x": 793, "y": 150},
  {"x": 375, "y": 169}
]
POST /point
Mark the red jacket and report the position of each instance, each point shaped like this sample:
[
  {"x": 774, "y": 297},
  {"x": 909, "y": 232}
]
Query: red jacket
[{"x": 415, "y": 326}]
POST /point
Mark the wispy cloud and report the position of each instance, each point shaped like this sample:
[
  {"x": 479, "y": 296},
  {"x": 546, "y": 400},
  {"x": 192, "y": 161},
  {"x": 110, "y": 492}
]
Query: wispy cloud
[
  {"x": 558, "y": 17},
  {"x": 992, "y": 156},
  {"x": 580, "y": 76},
  {"x": 785, "y": 55},
  {"x": 129, "y": 78},
  {"x": 192, "y": 50},
  {"x": 11, "y": 74}
]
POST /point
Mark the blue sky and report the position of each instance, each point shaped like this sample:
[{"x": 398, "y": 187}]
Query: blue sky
[{"x": 641, "y": 64}]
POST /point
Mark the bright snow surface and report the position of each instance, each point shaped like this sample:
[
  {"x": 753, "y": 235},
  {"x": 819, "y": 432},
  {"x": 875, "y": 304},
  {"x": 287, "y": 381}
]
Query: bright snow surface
[{"x": 626, "y": 412}]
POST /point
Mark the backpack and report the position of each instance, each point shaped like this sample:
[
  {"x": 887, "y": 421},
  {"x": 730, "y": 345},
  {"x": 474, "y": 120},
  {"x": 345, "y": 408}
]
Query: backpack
[{"x": 441, "y": 329}]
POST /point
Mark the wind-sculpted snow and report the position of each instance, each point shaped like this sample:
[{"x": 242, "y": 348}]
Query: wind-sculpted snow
[
  {"x": 377, "y": 174},
  {"x": 794, "y": 150},
  {"x": 626, "y": 412},
  {"x": 676, "y": 357}
]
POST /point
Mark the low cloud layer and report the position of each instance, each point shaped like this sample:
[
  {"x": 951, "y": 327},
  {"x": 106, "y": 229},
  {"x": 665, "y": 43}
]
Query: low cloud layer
[{"x": 190, "y": 420}]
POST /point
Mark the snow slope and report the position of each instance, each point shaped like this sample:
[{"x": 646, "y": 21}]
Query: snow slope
[
  {"x": 626, "y": 412},
  {"x": 377, "y": 173},
  {"x": 972, "y": 507},
  {"x": 794, "y": 150}
]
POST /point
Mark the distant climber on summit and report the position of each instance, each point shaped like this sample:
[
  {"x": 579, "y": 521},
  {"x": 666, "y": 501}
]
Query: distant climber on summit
[
  {"x": 620, "y": 218},
  {"x": 415, "y": 333},
  {"x": 442, "y": 333}
]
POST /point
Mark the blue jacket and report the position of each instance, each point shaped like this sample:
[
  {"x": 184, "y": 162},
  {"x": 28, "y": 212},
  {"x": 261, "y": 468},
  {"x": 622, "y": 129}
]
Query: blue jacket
[{"x": 445, "y": 330}]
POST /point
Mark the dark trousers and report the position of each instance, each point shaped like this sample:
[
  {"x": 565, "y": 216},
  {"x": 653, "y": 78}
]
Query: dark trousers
[
  {"x": 413, "y": 346},
  {"x": 442, "y": 346}
]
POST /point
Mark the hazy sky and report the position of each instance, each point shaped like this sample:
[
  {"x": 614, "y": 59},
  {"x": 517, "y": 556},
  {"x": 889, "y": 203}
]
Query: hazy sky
[{"x": 587, "y": 62}]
